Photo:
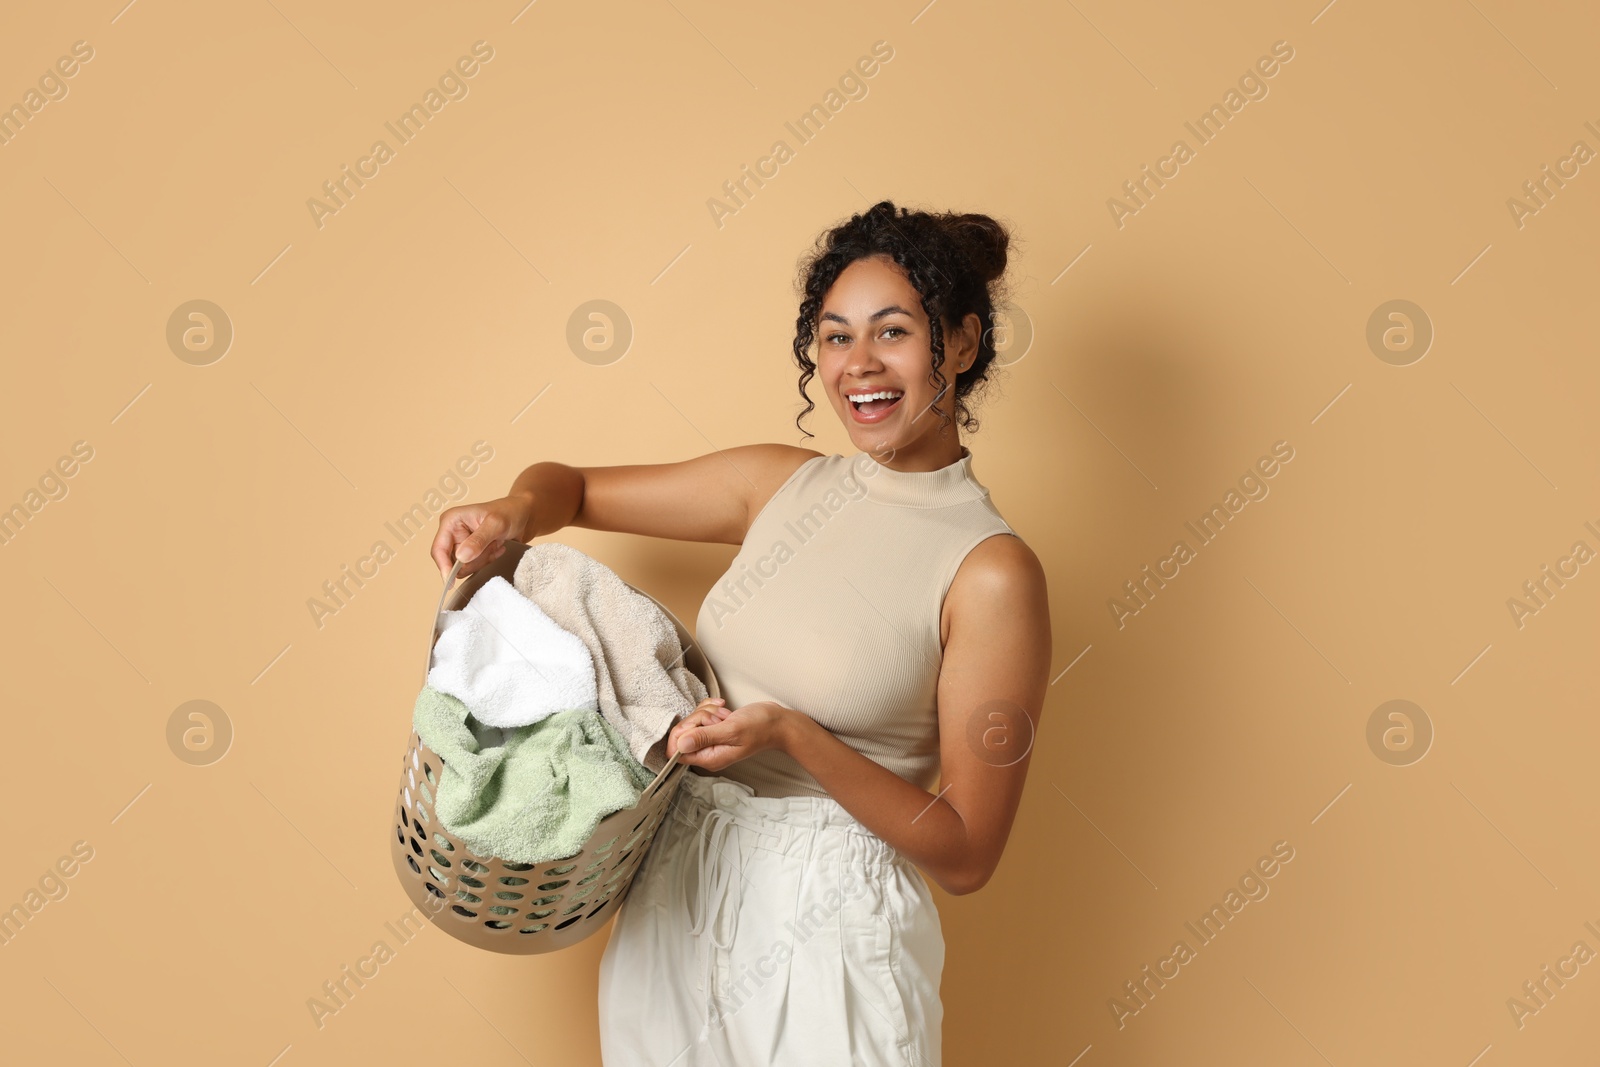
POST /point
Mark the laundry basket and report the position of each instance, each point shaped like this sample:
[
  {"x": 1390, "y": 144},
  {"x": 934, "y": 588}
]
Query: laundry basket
[{"x": 522, "y": 908}]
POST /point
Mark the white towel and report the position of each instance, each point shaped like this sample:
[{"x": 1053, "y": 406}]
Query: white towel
[{"x": 509, "y": 662}]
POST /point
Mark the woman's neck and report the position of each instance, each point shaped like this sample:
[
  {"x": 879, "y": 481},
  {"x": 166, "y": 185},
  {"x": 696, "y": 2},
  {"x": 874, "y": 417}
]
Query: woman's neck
[{"x": 922, "y": 456}]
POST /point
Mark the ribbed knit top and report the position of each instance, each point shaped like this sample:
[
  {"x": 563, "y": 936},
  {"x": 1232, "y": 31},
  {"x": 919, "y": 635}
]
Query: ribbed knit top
[{"x": 832, "y": 606}]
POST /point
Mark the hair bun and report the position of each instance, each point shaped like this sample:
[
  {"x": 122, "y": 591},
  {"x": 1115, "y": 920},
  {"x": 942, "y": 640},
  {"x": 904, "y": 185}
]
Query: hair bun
[{"x": 984, "y": 240}]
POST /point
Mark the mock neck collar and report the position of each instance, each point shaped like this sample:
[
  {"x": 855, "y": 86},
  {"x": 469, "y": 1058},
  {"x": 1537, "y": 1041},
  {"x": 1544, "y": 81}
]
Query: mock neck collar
[{"x": 950, "y": 484}]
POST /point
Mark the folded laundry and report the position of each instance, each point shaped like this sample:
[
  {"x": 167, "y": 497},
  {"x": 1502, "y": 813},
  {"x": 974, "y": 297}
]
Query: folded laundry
[
  {"x": 643, "y": 687},
  {"x": 508, "y": 661},
  {"x": 531, "y": 793}
]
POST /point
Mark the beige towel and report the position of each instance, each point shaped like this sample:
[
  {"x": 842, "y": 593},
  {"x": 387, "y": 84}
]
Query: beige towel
[{"x": 642, "y": 684}]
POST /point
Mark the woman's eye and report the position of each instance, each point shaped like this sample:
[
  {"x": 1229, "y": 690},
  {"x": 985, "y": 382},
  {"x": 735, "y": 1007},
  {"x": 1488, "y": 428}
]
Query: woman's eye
[{"x": 887, "y": 331}]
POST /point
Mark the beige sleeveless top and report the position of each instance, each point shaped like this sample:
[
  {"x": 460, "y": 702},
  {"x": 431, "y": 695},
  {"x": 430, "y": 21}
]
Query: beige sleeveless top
[{"x": 832, "y": 605}]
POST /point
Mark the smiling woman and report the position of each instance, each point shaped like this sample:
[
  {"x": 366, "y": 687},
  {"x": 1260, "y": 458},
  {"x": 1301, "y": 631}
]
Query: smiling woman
[
  {"x": 861, "y": 673},
  {"x": 935, "y": 280}
]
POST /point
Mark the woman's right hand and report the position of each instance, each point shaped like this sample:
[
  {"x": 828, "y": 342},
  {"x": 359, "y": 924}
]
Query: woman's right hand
[
  {"x": 476, "y": 533},
  {"x": 708, "y": 712}
]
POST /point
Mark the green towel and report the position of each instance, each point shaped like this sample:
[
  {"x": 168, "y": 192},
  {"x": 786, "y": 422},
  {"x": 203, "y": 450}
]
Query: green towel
[{"x": 534, "y": 796}]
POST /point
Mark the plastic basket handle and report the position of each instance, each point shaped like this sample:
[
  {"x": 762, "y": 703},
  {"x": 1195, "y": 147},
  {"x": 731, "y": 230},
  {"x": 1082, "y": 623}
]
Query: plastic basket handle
[{"x": 450, "y": 579}]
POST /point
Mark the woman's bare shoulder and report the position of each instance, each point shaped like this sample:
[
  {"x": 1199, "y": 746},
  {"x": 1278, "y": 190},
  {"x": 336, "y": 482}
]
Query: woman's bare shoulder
[
  {"x": 771, "y": 460},
  {"x": 1004, "y": 559},
  {"x": 766, "y": 468},
  {"x": 1001, "y": 572}
]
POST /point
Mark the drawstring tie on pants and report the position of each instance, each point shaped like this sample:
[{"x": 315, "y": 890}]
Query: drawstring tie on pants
[{"x": 710, "y": 901}]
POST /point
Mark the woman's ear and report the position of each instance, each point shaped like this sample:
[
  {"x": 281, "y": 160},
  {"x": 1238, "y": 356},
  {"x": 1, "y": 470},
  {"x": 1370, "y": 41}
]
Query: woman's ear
[{"x": 967, "y": 347}]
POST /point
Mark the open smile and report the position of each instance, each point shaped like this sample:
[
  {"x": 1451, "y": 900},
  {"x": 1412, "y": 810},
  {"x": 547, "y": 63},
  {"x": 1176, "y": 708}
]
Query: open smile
[{"x": 874, "y": 406}]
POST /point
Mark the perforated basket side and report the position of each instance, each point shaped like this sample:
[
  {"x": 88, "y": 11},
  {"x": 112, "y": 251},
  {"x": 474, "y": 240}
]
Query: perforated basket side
[{"x": 518, "y": 907}]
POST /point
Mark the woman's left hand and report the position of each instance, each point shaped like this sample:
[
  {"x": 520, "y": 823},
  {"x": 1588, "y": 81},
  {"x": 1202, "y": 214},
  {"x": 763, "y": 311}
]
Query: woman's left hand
[{"x": 735, "y": 734}]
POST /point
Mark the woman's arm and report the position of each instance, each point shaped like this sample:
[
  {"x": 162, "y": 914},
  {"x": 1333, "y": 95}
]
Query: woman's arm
[
  {"x": 708, "y": 498},
  {"x": 992, "y": 683}
]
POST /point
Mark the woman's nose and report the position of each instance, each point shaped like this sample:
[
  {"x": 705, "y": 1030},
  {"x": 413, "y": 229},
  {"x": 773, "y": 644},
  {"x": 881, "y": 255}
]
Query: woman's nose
[{"x": 863, "y": 360}]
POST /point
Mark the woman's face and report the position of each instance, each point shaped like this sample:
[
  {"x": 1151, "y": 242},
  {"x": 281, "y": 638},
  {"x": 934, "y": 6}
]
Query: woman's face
[{"x": 873, "y": 337}]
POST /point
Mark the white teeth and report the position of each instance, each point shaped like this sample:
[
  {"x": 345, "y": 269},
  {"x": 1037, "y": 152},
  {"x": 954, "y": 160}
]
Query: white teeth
[{"x": 862, "y": 398}]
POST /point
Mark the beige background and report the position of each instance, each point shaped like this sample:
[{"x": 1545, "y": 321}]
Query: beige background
[{"x": 1230, "y": 312}]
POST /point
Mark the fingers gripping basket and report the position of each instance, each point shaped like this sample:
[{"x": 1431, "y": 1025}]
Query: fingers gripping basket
[{"x": 522, "y": 908}]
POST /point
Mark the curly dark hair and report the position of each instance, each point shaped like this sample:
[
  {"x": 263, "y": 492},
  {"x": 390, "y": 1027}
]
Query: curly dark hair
[{"x": 954, "y": 261}]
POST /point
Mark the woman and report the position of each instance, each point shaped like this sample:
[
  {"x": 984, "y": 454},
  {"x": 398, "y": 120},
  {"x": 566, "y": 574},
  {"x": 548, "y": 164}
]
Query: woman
[{"x": 874, "y": 637}]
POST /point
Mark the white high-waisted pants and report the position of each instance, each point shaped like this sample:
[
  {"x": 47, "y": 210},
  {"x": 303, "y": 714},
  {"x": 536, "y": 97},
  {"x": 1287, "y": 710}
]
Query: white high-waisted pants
[{"x": 771, "y": 931}]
